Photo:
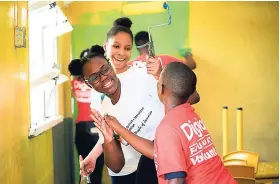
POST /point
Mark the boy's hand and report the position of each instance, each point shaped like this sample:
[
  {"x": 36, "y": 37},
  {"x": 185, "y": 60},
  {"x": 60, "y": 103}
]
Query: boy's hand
[{"x": 111, "y": 121}]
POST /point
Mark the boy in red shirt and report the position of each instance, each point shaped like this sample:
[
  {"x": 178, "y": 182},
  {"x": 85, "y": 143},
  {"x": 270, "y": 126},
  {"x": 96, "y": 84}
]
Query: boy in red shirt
[{"x": 184, "y": 151}]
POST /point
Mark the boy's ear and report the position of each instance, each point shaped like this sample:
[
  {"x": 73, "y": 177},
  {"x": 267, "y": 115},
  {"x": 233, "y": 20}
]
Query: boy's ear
[{"x": 160, "y": 88}]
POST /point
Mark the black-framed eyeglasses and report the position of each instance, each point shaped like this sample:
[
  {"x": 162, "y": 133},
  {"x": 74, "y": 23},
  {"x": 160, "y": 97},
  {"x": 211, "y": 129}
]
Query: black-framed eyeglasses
[{"x": 96, "y": 77}]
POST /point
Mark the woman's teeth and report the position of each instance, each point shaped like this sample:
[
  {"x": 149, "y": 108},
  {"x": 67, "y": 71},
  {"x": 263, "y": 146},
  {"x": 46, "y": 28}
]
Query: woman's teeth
[
  {"x": 118, "y": 59},
  {"x": 108, "y": 84}
]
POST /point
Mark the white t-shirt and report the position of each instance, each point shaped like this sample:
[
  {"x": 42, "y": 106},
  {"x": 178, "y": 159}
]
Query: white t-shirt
[{"x": 138, "y": 109}]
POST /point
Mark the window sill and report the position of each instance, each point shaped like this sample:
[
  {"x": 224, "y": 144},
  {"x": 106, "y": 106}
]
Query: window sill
[{"x": 41, "y": 127}]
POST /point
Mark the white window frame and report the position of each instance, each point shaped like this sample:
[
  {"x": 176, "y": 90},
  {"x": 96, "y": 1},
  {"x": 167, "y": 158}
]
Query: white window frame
[{"x": 46, "y": 24}]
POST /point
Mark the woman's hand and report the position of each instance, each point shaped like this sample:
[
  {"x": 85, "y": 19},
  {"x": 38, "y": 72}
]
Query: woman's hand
[{"x": 101, "y": 124}]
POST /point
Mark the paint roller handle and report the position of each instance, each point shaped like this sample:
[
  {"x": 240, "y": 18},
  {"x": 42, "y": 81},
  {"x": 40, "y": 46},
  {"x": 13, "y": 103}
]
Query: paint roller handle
[
  {"x": 85, "y": 180},
  {"x": 151, "y": 44},
  {"x": 88, "y": 180},
  {"x": 151, "y": 50},
  {"x": 151, "y": 54}
]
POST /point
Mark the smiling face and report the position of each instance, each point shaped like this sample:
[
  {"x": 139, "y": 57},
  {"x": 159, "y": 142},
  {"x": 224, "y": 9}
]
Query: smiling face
[
  {"x": 99, "y": 74},
  {"x": 118, "y": 49}
]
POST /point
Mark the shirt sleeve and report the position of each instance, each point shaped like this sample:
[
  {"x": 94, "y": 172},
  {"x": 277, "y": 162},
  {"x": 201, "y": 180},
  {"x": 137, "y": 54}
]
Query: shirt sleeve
[
  {"x": 169, "y": 155},
  {"x": 173, "y": 175},
  {"x": 166, "y": 59}
]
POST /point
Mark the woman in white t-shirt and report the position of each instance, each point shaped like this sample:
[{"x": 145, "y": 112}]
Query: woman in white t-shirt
[
  {"x": 132, "y": 98},
  {"x": 118, "y": 49}
]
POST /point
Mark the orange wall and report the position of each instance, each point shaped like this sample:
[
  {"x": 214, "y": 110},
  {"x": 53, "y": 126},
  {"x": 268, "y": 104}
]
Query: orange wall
[{"x": 236, "y": 48}]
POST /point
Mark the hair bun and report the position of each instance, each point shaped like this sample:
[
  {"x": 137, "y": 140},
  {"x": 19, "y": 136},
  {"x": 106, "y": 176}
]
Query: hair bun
[
  {"x": 97, "y": 49},
  {"x": 75, "y": 67},
  {"x": 123, "y": 21}
]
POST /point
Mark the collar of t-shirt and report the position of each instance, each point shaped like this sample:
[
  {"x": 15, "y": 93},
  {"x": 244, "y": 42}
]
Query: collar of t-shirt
[{"x": 183, "y": 107}]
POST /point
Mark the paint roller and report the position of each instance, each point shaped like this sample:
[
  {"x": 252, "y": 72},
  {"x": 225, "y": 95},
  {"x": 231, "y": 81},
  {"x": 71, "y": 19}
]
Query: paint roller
[
  {"x": 151, "y": 43},
  {"x": 148, "y": 8}
]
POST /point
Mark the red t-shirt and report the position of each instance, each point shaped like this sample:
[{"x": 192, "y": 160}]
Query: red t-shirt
[
  {"x": 166, "y": 59},
  {"x": 82, "y": 95},
  {"x": 182, "y": 143}
]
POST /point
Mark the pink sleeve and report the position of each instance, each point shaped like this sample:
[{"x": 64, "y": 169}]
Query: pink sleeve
[{"x": 169, "y": 155}]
